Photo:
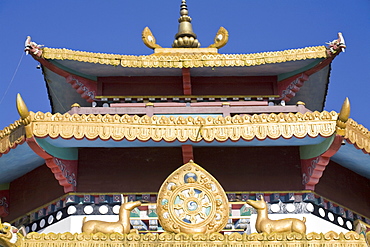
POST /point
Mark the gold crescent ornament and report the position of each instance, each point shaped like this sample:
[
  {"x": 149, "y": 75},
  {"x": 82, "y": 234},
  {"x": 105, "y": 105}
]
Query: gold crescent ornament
[
  {"x": 149, "y": 39},
  {"x": 220, "y": 39},
  {"x": 191, "y": 200}
]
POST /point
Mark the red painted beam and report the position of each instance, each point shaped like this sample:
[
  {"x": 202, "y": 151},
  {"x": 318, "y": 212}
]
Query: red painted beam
[
  {"x": 187, "y": 153},
  {"x": 186, "y": 81}
]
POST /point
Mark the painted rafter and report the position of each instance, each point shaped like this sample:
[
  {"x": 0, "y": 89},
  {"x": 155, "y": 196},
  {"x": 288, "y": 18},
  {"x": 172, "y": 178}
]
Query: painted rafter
[
  {"x": 62, "y": 170},
  {"x": 313, "y": 169}
]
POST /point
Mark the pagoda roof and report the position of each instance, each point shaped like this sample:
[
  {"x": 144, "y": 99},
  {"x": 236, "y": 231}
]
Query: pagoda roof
[{"x": 310, "y": 63}]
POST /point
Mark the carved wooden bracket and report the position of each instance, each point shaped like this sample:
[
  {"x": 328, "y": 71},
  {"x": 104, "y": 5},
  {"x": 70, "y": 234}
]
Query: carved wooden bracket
[
  {"x": 85, "y": 87},
  {"x": 289, "y": 87},
  {"x": 312, "y": 169},
  {"x": 4, "y": 203},
  {"x": 187, "y": 153},
  {"x": 65, "y": 171}
]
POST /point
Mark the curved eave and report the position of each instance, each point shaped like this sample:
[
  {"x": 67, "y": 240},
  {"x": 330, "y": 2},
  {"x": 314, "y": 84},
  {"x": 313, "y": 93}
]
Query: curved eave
[
  {"x": 100, "y": 64},
  {"x": 17, "y": 162}
]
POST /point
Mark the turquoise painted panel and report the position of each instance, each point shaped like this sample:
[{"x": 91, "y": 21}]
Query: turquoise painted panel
[
  {"x": 298, "y": 71},
  {"x": 66, "y": 153},
  {"x": 311, "y": 151}
]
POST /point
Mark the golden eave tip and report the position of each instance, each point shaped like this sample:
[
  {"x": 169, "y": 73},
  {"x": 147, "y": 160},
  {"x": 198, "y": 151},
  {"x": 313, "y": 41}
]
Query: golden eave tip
[
  {"x": 25, "y": 115},
  {"x": 22, "y": 108},
  {"x": 343, "y": 117}
]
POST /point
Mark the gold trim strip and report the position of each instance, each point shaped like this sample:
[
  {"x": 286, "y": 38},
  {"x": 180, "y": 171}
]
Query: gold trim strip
[
  {"x": 182, "y": 60},
  {"x": 172, "y": 128},
  {"x": 329, "y": 239},
  {"x": 11, "y": 136},
  {"x": 358, "y": 135}
]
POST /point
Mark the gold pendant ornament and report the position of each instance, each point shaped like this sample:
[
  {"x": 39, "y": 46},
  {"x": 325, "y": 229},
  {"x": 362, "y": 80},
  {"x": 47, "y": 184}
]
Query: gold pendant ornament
[{"x": 191, "y": 200}]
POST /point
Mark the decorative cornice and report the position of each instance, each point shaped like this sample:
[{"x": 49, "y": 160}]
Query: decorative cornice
[
  {"x": 159, "y": 60},
  {"x": 358, "y": 135},
  {"x": 222, "y": 128},
  {"x": 183, "y": 129},
  {"x": 12, "y": 136},
  {"x": 169, "y": 239}
]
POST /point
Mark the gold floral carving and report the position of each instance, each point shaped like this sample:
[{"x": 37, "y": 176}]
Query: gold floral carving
[
  {"x": 172, "y": 128},
  {"x": 192, "y": 201},
  {"x": 163, "y": 60},
  {"x": 358, "y": 135},
  {"x": 330, "y": 239}
]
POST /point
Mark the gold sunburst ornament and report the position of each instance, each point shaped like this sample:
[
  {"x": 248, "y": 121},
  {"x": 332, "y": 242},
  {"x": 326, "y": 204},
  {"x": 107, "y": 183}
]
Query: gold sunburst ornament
[{"x": 191, "y": 200}]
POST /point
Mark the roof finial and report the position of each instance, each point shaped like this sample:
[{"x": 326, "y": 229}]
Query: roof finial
[{"x": 185, "y": 38}]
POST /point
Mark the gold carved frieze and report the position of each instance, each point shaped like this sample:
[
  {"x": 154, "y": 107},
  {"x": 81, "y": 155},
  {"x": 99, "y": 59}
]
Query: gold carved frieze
[
  {"x": 358, "y": 135},
  {"x": 11, "y": 136},
  {"x": 158, "y": 128},
  {"x": 330, "y": 239},
  {"x": 186, "y": 60}
]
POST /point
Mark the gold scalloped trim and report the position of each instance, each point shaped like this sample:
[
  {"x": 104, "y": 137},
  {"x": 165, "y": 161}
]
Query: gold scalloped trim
[
  {"x": 358, "y": 135},
  {"x": 11, "y": 136},
  {"x": 163, "y": 60},
  {"x": 171, "y": 128},
  {"x": 192, "y": 240}
]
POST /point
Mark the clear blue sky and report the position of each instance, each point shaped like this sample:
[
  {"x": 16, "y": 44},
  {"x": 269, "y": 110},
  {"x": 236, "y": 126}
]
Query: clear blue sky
[{"x": 115, "y": 27}]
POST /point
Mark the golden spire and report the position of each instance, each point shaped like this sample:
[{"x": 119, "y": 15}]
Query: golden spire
[{"x": 185, "y": 38}]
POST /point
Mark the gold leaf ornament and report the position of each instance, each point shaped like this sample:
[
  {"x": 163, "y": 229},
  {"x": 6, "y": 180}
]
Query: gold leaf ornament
[{"x": 192, "y": 201}]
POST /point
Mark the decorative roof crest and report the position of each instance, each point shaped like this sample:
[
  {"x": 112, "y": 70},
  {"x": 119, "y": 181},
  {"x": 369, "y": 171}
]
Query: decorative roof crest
[{"x": 185, "y": 37}]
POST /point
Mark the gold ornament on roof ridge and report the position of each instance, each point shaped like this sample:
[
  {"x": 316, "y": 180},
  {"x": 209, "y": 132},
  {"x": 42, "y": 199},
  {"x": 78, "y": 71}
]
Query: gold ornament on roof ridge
[
  {"x": 149, "y": 39},
  {"x": 343, "y": 117},
  {"x": 220, "y": 39},
  {"x": 25, "y": 115},
  {"x": 185, "y": 37},
  {"x": 191, "y": 201}
]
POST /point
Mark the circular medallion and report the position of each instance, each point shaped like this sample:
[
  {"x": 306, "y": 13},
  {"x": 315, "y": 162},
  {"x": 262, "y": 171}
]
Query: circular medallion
[{"x": 191, "y": 201}]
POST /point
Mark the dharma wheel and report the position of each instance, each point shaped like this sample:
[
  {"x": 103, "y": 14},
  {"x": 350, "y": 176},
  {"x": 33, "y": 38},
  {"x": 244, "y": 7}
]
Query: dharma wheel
[{"x": 192, "y": 201}]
